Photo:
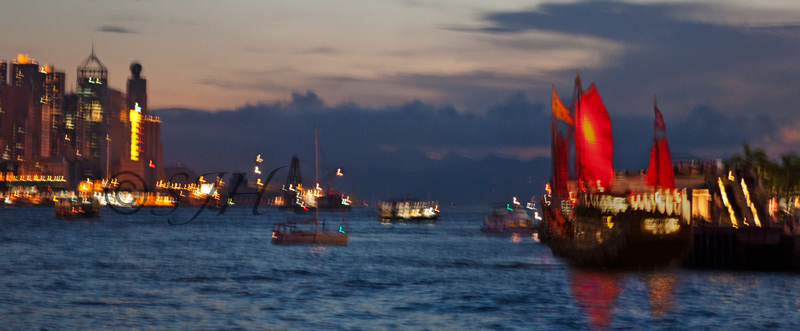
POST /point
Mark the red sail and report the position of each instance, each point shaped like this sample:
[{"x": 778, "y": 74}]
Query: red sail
[
  {"x": 561, "y": 172},
  {"x": 594, "y": 145},
  {"x": 660, "y": 172}
]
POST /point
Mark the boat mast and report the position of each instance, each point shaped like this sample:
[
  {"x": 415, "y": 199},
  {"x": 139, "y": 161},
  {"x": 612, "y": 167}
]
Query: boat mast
[
  {"x": 553, "y": 148},
  {"x": 655, "y": 143},
  {"x": 576, "y": 96},
  {"x": 316, "y": 179}
]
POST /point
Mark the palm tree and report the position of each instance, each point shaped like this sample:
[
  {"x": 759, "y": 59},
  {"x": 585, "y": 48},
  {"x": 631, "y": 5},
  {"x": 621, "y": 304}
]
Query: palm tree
[
  {"x": 790, "y": 175},
  {"x": 757, "y": 159},
  {"x": 765, "y": 170}
]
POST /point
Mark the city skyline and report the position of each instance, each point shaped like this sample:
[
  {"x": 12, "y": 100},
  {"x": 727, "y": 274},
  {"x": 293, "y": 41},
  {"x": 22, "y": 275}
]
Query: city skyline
[{"x": 723, "y": 73}]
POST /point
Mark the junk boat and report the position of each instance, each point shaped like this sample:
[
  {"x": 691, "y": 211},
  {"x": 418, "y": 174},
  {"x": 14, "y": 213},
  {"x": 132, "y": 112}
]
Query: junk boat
[
  {"x": 598, "y": 219},
  {"x": 308, "y": 231},
  {"x": 77, "y": 207},
  {"x": 509, "y": 218}
]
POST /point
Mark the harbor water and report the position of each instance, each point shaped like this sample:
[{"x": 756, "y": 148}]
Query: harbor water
[{"x": 220, "y": 272}]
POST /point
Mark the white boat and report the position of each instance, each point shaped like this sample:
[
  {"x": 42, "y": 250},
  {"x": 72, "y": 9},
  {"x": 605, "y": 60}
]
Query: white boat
[
  {"x": 408, "y": 209},
  {"x": 509, "y": 219}
]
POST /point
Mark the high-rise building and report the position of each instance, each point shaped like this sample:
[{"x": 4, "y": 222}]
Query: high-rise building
[
  {"x": 18, "y": 108},
  {"x": 3, "y": 72},
  {"x": 25, "y": 73},
  {"x": 119, "y": 134},
  {"x": 145, "y": 130},
  {"x": 93, "y": 97},
  {"x": 72, "y": 123},
  {"x": 137, "y": 88},
  {"x": 53, "y": 97},
  {"x": 42, "y": 121},
  {"x": 15, "y": 103}
]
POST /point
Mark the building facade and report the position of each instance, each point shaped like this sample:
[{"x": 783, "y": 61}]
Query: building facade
[
  {"x": 93, "y": 97},
  {"x": 92, "y": 133}
]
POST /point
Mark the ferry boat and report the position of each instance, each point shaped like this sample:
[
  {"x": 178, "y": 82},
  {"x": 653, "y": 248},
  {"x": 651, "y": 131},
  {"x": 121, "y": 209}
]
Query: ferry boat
[
  {"x": 509, "y": 218},
  {"x": 408, "y": 209},
  {"x": 296, "y": 198},
  {"x": 600, "y": 219},
  {"x": 77, "y": 207}
]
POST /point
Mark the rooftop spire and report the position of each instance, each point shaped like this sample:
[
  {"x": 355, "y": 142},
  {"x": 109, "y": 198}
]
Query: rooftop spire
[{"x": 92, "y": 67}]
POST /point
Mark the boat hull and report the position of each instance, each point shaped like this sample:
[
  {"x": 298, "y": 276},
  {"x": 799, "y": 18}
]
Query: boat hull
[
  {"x": 504, "y": 231},
  {"x": 79, "y": 209},
  {"x": 631, "y": 239},
  {"x": 506, "y": 221},
  {"x": 309, "y": 238}
]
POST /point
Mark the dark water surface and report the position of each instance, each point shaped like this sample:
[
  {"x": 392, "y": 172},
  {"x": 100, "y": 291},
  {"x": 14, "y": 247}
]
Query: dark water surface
[{"x": 221, "y": 272}]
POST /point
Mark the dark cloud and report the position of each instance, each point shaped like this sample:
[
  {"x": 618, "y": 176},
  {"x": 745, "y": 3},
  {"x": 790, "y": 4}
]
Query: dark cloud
[
  {"x": 463, "y": 157},
  {"x": 406, "y": 147},
  {"x": 688, "y": 62},
  {"x": 474, "y": 91},
  {"x": 114, "y": 29}
]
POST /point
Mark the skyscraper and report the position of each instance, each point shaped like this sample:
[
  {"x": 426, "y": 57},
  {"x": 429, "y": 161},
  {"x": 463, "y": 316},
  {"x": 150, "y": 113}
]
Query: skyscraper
[
  {"x": 145, "y": 135},
  {"x": 92, "y": 90},
  {"x": 3, "y": 72},
  {"x": 25, "y": 71},
  {"x": 25, "y": 74},
  {"x": 54, "y": 144}
]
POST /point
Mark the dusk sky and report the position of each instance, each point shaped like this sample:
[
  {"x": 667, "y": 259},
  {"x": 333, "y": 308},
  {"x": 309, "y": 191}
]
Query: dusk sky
[{"x": 450, "y": 89}]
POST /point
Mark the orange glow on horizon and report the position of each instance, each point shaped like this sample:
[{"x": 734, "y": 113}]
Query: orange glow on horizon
[{"x": 23, "y": 59}]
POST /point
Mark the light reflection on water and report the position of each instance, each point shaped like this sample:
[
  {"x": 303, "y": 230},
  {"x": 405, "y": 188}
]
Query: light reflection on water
[
  {"x": 123, "y": 272},
  {"x": 660, "y": 292}
]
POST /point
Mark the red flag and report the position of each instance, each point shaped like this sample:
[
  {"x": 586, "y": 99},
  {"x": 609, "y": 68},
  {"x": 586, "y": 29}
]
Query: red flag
[
  {"x": 559, "y": 111},
  {"x": 659, "y": 124}
]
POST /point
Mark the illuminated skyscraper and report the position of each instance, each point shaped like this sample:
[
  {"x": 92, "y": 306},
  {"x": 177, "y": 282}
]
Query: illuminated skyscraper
[
  {"x": 92, "y": 91},
  {"x": 37, "y": 123},
  {"x": 145, "y": 130},
  {"x": 28, "y": 122},
  {"x": 72, "y": 123},
  {"x": 53, "y": 143},
  {"x": 25, "y": 72}
]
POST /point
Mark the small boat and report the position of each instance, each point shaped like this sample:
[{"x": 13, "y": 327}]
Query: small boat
[
  {"x": 509, "y": 218},
  {"x": 301, "y": 232},
  {"x": 77, "y": 207},
  {"x": 307, "y": 232},
  {"x": 408, "y": 209}
]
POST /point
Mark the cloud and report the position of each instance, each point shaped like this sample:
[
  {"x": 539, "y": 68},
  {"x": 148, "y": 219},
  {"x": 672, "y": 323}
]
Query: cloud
[
  {"x": 114, "y": 29},
  {"x": 405, "y": 146},
  {"x": 436, "y": 152},
  {"x": 689, "y": 54},
  {"x": 410, "y": 146},
  {"x": 320, "y": 50}
]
